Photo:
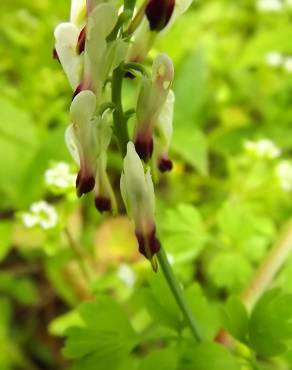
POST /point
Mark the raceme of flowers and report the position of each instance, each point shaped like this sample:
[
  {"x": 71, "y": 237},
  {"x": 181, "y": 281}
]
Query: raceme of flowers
[{"x": 100, "y": 44}]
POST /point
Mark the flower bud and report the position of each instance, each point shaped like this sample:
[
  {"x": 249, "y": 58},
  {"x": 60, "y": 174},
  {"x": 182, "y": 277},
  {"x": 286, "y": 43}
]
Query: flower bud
[
  {"x": 81, "y": 139},
  {"x": 138, "y": 195},
  {"x": 152, "y": 96},
  {"x": 163, "y": 134},
  {"x": 158, "y": 13}
]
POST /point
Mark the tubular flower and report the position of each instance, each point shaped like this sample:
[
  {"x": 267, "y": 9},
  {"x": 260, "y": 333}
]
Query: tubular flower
[
  {"x": 163, "y": 134},
  {"x": 81, "y": 139},
  {"x": 138, "y": 195},
  {"x": 159, "y": 16},
  {"x": 81, "y": 46},
  {"x": 100, "y": 22},
  {"x": 104, "y": 195},
  {"x": 152, "y": 97}
]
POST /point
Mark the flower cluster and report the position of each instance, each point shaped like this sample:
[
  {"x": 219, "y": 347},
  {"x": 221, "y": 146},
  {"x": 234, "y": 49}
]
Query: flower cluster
[
  {"x": 41, "y": 214},
  {"x": 98, "y": 47}
]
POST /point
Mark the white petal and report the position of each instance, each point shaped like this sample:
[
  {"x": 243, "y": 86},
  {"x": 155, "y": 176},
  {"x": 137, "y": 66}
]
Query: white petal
[
  {"x": 83, "y": 108},
  {"x": 165, "y": 119},
  {"x": 78, "y": 8},
  {"x": 71, "y": 144},
  {"x": 66, "y": 35}
]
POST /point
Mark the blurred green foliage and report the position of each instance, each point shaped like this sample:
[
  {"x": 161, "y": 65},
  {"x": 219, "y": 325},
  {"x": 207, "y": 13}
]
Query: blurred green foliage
[{"x": 219, "y": 212}]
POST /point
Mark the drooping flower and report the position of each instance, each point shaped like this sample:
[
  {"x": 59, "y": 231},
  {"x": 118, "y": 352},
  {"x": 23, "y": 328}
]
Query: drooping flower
[
  {"x": 81, "y": 139},
  {"x": 163, "y": 134},
  {"x": 159, "y": 17},
  {"x": 40, "y": 214},
  {"x": 138, "y": 195},
  {"x": 152, "y": 97}
]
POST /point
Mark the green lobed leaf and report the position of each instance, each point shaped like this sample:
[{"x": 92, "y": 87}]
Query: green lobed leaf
[
  {"x": 182, "y": 231},
  {"x": 208, "y": 356},
  {"x": 106, "y": 337},
  {"x": 270, "y": 325},
  {"x": 235, "y": 318}
]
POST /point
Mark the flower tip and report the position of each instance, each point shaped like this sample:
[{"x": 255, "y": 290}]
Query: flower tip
[
  {"x": 149, "y": 245},
  {"x": 158, "y": 13},
  {"x": 165, "y": 165},
  {"x": 84, "y": 184},
  {"x": 103, "y": 204},
  {"x": 144, "y": 147}
]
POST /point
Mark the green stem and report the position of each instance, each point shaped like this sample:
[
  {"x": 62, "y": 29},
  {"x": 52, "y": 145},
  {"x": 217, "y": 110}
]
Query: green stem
[
  {"x": 78, "y": 255},
  {"x": 120, "y": 127},
  {"x": 178, "y": 294}
]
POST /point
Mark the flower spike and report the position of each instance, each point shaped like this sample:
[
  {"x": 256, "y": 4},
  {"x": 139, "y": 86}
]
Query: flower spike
[{"x": 152, "y": 97}]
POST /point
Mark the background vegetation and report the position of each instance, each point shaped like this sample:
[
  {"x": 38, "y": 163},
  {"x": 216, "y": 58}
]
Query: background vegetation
[{"x": 224, "y": 207}]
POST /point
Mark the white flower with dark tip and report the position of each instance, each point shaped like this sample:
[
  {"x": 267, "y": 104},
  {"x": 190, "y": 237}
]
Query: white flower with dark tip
[
  {"x": 81, "y": 139},
  {"x": 59, "y": 176},
  {"x": 40, "y": 214},
  {"x": 138, "y": 196},
  {"x": 163, "y": 134},
  {"x": 159, "y": 16},
  {"x": 151, "y": 100},
  {"x": 82, "y": 48},
  {"x": 264, "y": 148}
]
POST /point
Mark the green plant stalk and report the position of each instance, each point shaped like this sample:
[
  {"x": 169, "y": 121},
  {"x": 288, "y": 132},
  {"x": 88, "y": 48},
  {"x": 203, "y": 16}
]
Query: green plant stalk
[
  {"x": 269, "y": 268},
  {"x": 120, "y": 127},
  {"x": 84, "y": 268},
  {"x": 178, "y": 294}
]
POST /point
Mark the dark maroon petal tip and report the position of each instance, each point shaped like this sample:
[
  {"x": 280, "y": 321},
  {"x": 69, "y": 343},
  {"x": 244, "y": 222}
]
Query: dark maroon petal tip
[
  {"x": 165, "y": 165},
  {"x": 149, "y": 245},
  {"x": 84, "y": 184},
  {"x": 55, "y": 55},
  {"x": 144, "y": 147},
  {"x": 158, "y": 13},
  {"x": 81, "y": 41},
  {"x": 103, "y": 204}
]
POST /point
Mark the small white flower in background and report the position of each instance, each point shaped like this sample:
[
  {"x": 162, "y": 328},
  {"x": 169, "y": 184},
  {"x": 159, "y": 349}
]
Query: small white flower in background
[
  {"x": 263, "y": 148},
  {"x": 284, "y": 175},
  {"x": 127, "y": 275},
  {"x": 274, "y": 59},
  {"x": 60, "y": 176},
  {"x": 287, "y": 64},
  {"x": 40, "y": 214},
  {"x": 269, "y": 5}
]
